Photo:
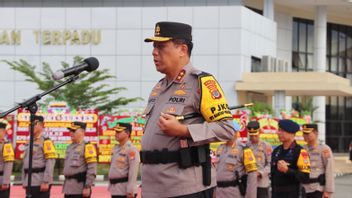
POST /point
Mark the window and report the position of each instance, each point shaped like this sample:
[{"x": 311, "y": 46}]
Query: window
[
  {"x": 256, "y": 64},
  {"x": 338, "y": 61}
]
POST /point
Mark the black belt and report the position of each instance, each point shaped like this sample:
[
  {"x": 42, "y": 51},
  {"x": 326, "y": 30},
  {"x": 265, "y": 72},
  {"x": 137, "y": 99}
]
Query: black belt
[
  {"x": 80, "y": 177},
  {"x": 35, "y": 170},
  {"x": 320, "y": 179},
  {"x": 119, "y": 180},
  {"x": 159, "y": 157},
  {"x": 1, "y": 173},
  {"x": 225, "y": 184},
  {"x": 279, "y": 189}
]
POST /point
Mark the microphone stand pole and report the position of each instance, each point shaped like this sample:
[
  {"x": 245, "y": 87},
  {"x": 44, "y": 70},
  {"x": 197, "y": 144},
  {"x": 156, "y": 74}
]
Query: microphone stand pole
[{"x": 32, "y": 107}]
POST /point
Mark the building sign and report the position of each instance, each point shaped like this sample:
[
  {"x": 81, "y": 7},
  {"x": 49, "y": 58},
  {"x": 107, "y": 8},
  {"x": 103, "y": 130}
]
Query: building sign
[
  {"x": 107, "y": 135},
  {"x": 56, "y": 120},
  {"x": 53, "y": 37}
]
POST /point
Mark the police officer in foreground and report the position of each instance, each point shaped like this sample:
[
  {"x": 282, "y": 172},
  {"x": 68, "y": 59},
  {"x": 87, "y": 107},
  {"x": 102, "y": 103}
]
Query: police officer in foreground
[
  {"x": 43, "y": 162},
  {"x": 80, "y": 164},
  {"x": 236, "y": 170},
  {"x": 124, "y": 164},
  {"x": 262, "y": 152},
  {"x": 290, "y": 164},
  {"x": 321, "y": 183},
  {"x": 175, "y": 154},
  {"x": 7, "y": 157}
]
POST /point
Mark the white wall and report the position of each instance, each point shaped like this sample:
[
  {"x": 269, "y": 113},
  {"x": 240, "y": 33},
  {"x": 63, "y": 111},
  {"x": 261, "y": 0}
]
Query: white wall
[
  {"x": 224, "y": 40},
  {"x": 284, "y": 44}
]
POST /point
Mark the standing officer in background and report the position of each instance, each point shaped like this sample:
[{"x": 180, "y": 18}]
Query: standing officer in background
[
  {"x": 321, "y": 183},
  {"x": 290, "y": 164},
  {"x": 262, "y": 152},
  {"x": 236, "y": 170},
  {"x": 43, "y": 162},
  {"x": 124, "y": 164},
  {"x": 175, "y": 155},
  {"x": 7, "y": 157},
  {"x": 80, "y": 165}
]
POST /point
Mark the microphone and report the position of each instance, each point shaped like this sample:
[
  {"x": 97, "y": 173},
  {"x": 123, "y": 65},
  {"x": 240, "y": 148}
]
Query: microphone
[{"x": 89, "y": 64}]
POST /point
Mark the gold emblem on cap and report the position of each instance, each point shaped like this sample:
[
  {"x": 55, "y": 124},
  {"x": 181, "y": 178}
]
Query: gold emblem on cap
[{"x": 157, "y": 30}]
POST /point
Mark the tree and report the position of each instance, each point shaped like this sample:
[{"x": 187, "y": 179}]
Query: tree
[{"x": 88, "y": 92}]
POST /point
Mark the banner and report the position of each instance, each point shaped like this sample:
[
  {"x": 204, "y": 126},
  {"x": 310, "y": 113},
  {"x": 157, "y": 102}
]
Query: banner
[
  {"x": 10, "y": 128},
  {"x": 107, "y": 135},
  {"x": 57, "y": 117}
]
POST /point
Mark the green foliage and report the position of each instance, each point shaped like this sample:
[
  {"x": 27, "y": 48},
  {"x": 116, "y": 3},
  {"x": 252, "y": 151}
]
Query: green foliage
[
  {"x": 304, "y": 106},
  {"x": 260, "y": 108},
  {"x": 88, "y": 92}
]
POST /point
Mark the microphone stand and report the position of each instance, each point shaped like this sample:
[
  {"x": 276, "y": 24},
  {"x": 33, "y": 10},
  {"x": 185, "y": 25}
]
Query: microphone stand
[{"x": 32, "y": 107}]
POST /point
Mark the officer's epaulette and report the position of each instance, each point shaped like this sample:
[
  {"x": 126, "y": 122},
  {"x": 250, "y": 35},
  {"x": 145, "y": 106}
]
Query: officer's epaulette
[{"x": 199, "y": 73}]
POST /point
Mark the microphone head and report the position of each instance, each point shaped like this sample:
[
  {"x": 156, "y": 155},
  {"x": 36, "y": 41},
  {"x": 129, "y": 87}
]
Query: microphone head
[
  {"x": 58, "y": 75},
  {"x": 92, "y": 63}
]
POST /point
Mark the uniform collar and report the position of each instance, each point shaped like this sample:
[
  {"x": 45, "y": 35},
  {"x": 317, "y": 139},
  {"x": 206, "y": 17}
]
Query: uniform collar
[{"x": 181, "y": 74}]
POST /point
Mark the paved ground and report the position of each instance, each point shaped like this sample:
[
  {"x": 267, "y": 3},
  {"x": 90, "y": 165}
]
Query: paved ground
[
  {"x": 343, "y": 186},
  {"x": 98, "y": 192}
]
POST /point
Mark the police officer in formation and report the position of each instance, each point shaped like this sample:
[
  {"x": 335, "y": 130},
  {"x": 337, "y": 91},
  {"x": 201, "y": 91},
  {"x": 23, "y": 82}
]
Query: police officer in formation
[
  {"x": 236, "y": 170},
  {"x": 124, "y": 164},
  {"x": 321, "y": 181},
  {"x": 175, "y": 155},
  {"x": 262, "y": 152},
  {"x": 80, "y": 164},
  {"x": 6, "y": 162},
  {"x": 43, "y": 162},
  {"x": 290, "y": 165}
]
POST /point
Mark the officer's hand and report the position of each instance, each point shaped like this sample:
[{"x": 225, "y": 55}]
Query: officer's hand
[
  {"x": 326, "y": 195},
  {"x": 282, "y": 166},
  {"x": 172, "y": 127},
  {"x": 259, "y": 175},
  {"x": 44, "y": 187},
  {"x": 130, "y": 195},
  {"x": 5, "y": 186},
  {"x": 86, "y": 192}
]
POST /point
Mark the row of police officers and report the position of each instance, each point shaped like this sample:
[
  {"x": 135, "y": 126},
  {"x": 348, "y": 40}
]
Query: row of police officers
[
  {"x": 243, "y": 170},
  {"x": 79, "y": 167}
]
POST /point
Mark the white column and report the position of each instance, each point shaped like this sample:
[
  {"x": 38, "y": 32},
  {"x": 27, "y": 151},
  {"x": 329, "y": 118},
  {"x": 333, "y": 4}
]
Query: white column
[
  {"x": 279, "y": 102},
  {"x": 320, "y": 30},
  {"x": 268, "y": 9}
]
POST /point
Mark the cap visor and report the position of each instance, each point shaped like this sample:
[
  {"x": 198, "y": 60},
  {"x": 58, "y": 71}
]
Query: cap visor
[
  {"x": 72, "y": 128},
  {"x": 159, "y": 39}
]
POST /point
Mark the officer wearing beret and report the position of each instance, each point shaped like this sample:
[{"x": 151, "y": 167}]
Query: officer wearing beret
[
  {"x": 80, "y": 164},
  {"x": 175, "y": 154},
  {"x": 262, "y": 152},
  {"x": 236, "y": 170},
  {"x": 321, "y": 183},
  {"x": 6, "y": 162},
  {"x": 43, "y": 162},
  {"x": 290, "y": 164},
  {"x": 124, "y": 164}
]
